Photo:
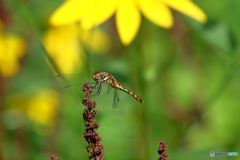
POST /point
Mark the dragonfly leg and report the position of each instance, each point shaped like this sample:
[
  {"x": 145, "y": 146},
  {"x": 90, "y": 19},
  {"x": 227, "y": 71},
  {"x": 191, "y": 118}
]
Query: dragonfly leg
[
  {"x": 98, "y": 92},
  {"x": 96, "y": 86}
]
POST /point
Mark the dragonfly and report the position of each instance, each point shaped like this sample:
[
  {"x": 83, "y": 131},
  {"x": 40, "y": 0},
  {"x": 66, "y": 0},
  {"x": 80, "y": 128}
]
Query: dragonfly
[{"x": 71, "y": 84}]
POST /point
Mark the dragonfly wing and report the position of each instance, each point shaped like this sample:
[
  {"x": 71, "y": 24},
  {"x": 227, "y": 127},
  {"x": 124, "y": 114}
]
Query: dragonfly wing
[
  {"x": 70, "y": 83},
  {"x": 109, "y": 88},
  {"x": 64, "y": 80},
  {"x": 115, "y": 99},
  {"x": 72, "y": 89}
]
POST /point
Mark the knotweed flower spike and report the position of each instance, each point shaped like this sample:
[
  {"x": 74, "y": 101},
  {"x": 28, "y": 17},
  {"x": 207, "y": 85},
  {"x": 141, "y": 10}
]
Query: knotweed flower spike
[
  {"x": 91, "y": 136},
  {"x": 161, "y": 151},
  {"x": 54, "y": 158}
]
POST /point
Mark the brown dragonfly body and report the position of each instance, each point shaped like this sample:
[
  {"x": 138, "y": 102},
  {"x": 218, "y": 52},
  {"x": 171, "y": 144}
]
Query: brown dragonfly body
[
  {"x": 71, "y": 85},
  {"x": 105, "y": 77}
]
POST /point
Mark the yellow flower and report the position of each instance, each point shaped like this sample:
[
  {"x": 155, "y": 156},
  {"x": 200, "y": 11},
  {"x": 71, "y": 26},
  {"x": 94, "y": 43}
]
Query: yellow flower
[
  {"x": 98, "y": 41},
  {"x": 12, "y": 48},
  {"x": 64, "y": 46},
  {"x": 41, "y": 109},
  {"x": 128, "y": 14}
]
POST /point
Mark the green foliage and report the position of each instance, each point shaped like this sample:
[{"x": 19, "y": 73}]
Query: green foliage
[{"x": 188, "y": 78}]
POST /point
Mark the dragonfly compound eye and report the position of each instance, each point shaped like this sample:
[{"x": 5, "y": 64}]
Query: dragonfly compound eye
[{"x": 96, "y": 76}]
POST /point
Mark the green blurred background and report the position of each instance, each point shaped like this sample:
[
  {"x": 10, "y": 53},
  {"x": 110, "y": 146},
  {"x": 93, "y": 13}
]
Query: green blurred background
[{"x": 187, "y": 76}]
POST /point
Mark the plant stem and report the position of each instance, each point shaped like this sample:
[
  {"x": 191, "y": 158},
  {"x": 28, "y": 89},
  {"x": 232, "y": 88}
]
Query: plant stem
[{"x": 36, "y": 28}]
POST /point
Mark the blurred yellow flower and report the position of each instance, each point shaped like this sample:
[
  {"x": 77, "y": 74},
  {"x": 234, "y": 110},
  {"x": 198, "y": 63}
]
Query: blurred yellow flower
[
  {"x": 64, "y": 48},
  {"x": 12, "y": 48},
  {"x": 98, "y": 41},
  {"x": 128, "y": 18},
  {"x": 41, "y": 109},
  {"x": 65, "y": 45}
]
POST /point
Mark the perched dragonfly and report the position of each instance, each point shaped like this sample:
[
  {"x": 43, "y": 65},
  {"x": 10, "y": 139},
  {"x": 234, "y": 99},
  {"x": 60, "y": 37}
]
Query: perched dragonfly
[{"x": 70, "y": 84}]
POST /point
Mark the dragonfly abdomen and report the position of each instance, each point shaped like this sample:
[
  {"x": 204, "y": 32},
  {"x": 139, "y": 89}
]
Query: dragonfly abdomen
[{"x": 131, "y": 93}]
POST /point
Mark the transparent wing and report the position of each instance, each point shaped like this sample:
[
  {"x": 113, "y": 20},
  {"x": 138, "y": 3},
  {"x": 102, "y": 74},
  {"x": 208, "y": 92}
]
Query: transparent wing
[
  {"x": 73, "y": 89},
  {"x": 115, "y": 99},
  {"x": 109, "y": 88},
  {"x": 64, "y": 80},
  {"x": 71, "y": 83}
]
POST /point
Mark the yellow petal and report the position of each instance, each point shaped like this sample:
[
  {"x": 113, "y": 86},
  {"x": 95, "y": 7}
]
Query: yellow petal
[
  {"x": 69, "y": 12},
  {"x": 42, "y": 109},
  {"x": 187, "y": 7},
  {"x": 9, "y": 69},
  {"x": 97, "y": 40},
  {"x": 15, "y": 46},
  {"x": 63, "y": 47},
  {"x": 87, "y": 23},
  {"x": 156, "y": 12},
  {"x": 128, "y": 20},
  {"x": 105, "y": 9},
  {"x": 97, "y": 11},
  {"x": 11, "y": 49}
]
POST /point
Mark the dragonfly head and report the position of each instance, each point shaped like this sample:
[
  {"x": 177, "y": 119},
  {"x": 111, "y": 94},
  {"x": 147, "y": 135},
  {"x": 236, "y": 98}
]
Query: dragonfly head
[{"x": 96, "y": 76}]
